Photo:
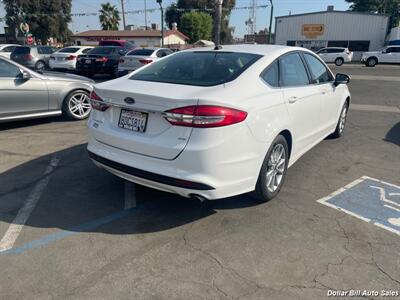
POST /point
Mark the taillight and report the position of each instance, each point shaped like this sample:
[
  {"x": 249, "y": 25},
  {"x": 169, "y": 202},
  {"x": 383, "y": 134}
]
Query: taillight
[
  {"x": 71, "y": 57},
  {"x": 102, "y": 59},
  {"x": 28, "y": 57},
  {"x": 145, "y": 61},
  {"x": 204, "y": 116},
  {"x": 98, "y": 103}
]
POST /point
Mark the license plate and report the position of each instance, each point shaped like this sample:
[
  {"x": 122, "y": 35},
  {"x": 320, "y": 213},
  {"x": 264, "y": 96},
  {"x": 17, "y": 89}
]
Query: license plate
[
  {"x": 133, "y": 120},
  {"x": 60, "y": 58},
  {"x": 88, "y": 61}
]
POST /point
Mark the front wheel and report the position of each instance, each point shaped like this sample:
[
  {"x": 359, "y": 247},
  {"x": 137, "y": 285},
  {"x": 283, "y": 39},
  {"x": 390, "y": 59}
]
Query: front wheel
[
  {"x": 76, "y": 105},
  {"x": 273, "y": 170},
  {"x": 371, "y": 62},
  {"x": 341, "y": 122}
]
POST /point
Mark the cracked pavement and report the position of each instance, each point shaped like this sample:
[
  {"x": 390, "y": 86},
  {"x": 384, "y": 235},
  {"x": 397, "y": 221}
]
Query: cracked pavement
[{"x": 174, "y": 248}]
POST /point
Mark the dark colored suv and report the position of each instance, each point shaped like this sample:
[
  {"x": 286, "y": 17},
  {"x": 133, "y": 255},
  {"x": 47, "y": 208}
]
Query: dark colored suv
[
  {"x": 100, "y": 60},
  {"x": 34, "y": 57}
]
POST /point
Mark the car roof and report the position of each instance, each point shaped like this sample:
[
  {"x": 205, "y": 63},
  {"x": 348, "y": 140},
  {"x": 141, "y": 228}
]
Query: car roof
[
  {"x": 6, "y": 45},
  {"x": 251, "y": 49}
]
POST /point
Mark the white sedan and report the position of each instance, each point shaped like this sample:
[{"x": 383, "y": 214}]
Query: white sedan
[
  {"x": 212, "y": 123},
  {"x": 65, "y": 59}
]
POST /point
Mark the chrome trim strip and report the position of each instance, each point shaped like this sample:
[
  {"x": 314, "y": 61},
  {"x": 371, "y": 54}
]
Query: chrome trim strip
[{"x": 33, "y": 115}]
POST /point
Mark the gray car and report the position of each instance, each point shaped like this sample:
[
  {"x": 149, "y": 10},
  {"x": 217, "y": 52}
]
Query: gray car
[
  {"x": 33, "y": 57},
  {"x": 25, "y": 94}
]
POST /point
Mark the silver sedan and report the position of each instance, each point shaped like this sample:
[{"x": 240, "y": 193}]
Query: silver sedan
[{"x": 25, "y": 94}]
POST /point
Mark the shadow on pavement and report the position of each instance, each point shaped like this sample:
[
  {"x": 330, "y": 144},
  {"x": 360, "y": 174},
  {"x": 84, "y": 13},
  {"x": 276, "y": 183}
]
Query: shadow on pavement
[
  {"x": 78, "y": 192},
  {"x": 393, "y": 135},
  {"x": 29, "y": 123}
]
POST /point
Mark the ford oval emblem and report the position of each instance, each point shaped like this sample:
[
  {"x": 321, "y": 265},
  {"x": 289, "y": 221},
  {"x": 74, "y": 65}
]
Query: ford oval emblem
[{"x": 129, "y": 100}]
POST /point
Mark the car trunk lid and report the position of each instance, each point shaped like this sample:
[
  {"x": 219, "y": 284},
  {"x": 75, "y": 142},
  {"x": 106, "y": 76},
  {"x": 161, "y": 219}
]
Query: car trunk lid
[{"x": 160, "y": 139}]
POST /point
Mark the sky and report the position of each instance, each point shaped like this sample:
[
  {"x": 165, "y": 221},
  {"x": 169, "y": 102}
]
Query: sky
[{"x": 237, "y": 18}]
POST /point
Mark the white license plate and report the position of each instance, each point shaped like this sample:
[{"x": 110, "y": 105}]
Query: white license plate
[
  {"x": 133, "y": 120},
  {"x": 88, "y": 61},
  {"x": 60, "y": 58}
]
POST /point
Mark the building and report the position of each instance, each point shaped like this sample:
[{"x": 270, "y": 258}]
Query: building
[
  {"x": 357, "y": 31},
  {"x": 394, "y": 37},
  {"x": 141, "y": 38}
]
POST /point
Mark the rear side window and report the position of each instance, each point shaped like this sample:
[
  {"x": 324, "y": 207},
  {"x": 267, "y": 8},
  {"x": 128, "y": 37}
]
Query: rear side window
[
  {"x": 45, "y": 50},
  {"x": 271, "y": 74},
  {"x": 319, "y": 73},
  {"x": 68, "y": 50},
  {"x": 292, "y": 70},
  {"x": 22, "y": 50},
  {"x": 141, "y": 52},
  {"x": 335, "y": 50},
  {"x": 199, "y": 68}
]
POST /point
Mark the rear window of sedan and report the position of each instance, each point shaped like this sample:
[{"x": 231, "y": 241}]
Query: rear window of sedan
[
  {"x": 69, "y": 50},
  {"x": 102, "y": 50},
  {"x": 198, "y": 68},
  {"x": 142, "y": 52}
]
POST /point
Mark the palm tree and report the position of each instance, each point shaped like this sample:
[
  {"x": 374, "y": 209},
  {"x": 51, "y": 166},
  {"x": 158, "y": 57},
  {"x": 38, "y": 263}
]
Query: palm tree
[{"x": 109, "y": 17}]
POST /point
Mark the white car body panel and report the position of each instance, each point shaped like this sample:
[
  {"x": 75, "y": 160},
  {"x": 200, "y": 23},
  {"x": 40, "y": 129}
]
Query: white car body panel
[{"x": 226, "y": 158}]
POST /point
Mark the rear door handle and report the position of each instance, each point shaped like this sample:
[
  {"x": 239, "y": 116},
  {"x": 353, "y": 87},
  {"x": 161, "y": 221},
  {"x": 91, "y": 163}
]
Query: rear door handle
[{"x": 292, "y": 99}]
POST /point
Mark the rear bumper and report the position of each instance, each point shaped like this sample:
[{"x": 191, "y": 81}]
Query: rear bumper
[
  {"x": 215, "y": 163},
  {"x": 62, "y": 65}
]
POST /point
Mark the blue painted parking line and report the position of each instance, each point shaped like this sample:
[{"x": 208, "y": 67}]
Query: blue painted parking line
[
  {"x": 66, "y": 233},
  {"x": 370, "y": 200}
]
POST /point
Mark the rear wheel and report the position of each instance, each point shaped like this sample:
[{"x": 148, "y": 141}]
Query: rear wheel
[
  {"x": 273, "y": 170},
  {"x": 76, "y": 105},
  {"x": 339, "y": 61},
  {"x": 371, "y": 62}
]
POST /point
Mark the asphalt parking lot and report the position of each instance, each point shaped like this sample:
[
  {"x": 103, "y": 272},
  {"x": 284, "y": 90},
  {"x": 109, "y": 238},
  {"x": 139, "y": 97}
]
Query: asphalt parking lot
[{"x": 83, "y": 240}]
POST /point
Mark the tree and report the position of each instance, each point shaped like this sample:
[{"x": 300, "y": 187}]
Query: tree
[
  {"x": 46, "y": 18},
  {"x": 109, "y": 17},
  {"x": 196, "y": 25},
  {"x": 388, "y": 7},
  {"x": 175, "y": 11}
]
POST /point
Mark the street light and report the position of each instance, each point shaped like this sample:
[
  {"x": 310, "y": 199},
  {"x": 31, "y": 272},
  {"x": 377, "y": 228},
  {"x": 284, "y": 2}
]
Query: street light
[{"x": 162, "y": 22}]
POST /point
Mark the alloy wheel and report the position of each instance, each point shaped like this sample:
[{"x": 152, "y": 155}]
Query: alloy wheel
[
  {"x": 276, "y": 168},
  {"x": 79, "y": 105},
  {"x": 342, "y": 120}
]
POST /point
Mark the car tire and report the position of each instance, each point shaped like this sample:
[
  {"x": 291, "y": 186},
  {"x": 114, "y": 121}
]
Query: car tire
[
  {"x": 341, "y": 124},
  {"x": 76, "y": 105},
  {"x": 273, "y": 170},
  {"x": 371, "y": 62},
  {"x": 40, "y": 66},
  {"x": 339, "y": 61}
]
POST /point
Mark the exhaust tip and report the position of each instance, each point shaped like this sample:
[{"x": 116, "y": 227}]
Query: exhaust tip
[{"x": 198, "y": 197}]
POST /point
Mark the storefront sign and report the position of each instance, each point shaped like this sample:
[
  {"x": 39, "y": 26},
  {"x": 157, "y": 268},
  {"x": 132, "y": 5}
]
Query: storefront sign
[{"x": 312, "y": 30}]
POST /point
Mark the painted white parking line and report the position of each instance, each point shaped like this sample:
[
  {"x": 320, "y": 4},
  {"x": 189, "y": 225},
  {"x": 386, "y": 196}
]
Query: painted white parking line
[
  {"x": 378, "y": 108},
  {"x": 375, "y": 78},
  {"x": 19, "y": 221}
]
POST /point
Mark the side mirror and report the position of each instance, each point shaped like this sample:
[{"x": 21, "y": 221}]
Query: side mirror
[
  {"x": 341, "y": 79},
  {"x": 384, "y": 51},
  {"x": 24, "y": 75}
]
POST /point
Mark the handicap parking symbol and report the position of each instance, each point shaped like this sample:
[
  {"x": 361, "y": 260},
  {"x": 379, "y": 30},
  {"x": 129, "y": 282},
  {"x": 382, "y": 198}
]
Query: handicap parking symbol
[{"x": 371, "y": 200}]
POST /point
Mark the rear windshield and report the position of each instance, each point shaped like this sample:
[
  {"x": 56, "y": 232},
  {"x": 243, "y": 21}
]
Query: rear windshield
[
  {"x": 102, "y": 50},
  {"x": 142, "y": 52},
  {"x": 109, "y": 43},
  {"x": 200, "y": 68},
  {"x": 22, "y": 50},
  {"x": 68, "y": 50}
]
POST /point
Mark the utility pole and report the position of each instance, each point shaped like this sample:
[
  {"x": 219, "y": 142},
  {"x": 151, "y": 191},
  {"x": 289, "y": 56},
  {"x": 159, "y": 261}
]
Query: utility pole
[
  {"x": 217, "y": 22},
  {"x": 270, "y": 23},
  {"x": 162, "y": 22},
  {"x": 123, "y": 13},
  {"x": 145, "y": 14}
]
